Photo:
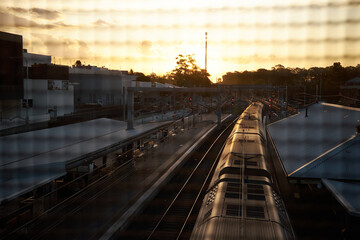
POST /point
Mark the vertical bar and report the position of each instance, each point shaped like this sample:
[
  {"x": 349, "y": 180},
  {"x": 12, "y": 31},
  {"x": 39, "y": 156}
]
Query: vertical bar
[
  {"x": 193, "y": 108},
  {"x": 206, "y": 51},
  {"x": 124, "y": 104},
  {"x": 130, "y": 108},
  {"x": 219, "y": 109}
]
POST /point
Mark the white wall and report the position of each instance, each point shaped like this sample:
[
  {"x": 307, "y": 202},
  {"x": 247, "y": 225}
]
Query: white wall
[
  {"x": 30, "y": 58},
  {"x": 44, "y": 99}
]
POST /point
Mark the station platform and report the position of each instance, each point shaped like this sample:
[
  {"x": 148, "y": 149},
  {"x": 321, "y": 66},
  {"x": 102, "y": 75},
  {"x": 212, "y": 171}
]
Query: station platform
[
  {"x": 102, "y": 216},
  {"x": 29, "y": 160}
]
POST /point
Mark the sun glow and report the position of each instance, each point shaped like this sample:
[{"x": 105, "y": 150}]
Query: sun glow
[{"x": 148, "y": 35}]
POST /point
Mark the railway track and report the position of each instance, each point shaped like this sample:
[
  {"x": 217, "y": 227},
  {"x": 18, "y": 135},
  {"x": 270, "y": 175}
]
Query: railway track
[{"x": 172, "y": 213}]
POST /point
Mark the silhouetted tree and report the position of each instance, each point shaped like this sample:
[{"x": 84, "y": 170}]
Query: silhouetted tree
[
  {"x": 330, "y": 78},
  {"x": 188, "y": 74},
  {"x": 78, "y": 63},
  {"x": 142, "y": 77}
]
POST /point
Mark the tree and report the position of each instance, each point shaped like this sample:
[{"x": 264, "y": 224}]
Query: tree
[
  {"x": 188, "y": 74},
  {"x": 78, "y": 63},
  {"x": 141, "y": 77}
]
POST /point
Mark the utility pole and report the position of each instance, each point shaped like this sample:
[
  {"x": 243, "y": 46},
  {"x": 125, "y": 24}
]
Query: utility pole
[{"x": 206, "y": 51}]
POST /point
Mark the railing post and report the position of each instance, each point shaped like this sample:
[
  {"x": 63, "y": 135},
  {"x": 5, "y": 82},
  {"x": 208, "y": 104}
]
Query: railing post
[{"x": 130, "y": 110}]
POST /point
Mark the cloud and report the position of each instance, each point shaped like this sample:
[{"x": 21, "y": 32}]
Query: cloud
[
  {"x": 62, "y": 47},
  {"x": 18, "y": 10},
  {"x": 37, "y": 12},
  {"x": 147, "y": 48},
  {"x": 10, "y": 20},
  {"x": 45, "y": 14},
  {"x": 101, "y": 22},
  {"x": 293, "y": 58}
]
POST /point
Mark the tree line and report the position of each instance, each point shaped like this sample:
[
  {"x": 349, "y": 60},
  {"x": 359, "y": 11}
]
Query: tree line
[{"x": 329, "y": 78}]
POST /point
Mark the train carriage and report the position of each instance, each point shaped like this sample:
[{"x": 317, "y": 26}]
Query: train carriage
[{"x": 240, "y": 202}]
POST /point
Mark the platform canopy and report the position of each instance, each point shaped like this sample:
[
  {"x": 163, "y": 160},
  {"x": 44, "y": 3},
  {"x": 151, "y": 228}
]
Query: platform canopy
[
  {"x": 347, "y": 193},
  {"x": 322, "y": 145},
  {"x": 29, "y": 160}
]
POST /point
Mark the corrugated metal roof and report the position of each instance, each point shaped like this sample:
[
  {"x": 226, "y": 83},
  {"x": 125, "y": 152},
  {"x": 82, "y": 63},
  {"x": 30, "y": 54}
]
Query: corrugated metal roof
[
  {"x": 302, "y": 141},
  {"x": 346, "y": 193},
  {"x": 342, "y": 162},
  {"x": 34, "y": 158}
]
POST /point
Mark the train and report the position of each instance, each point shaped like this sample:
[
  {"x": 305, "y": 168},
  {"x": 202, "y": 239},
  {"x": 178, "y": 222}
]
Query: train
[{"x": 241, "y": 201}]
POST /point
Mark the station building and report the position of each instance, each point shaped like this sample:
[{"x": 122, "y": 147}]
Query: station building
[{"x": 48, "y": 93}]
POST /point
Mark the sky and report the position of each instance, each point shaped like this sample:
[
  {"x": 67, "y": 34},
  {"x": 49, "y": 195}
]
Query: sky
[{"x": 147, "y": 35}]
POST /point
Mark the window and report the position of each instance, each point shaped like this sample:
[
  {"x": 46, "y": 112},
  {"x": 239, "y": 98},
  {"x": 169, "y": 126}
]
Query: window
[
  {"x": 233, "y": 187},
  {"x": 232, "y": 195},
  {"x": 233, "y": 190},
  {"x": 65, "y": 85},
  {"x": 256, "y": 197},
  {"x": 28, "y": 102},
  {"x": 233, "y": 210},
  {"x": 255, "y": 212},
  {"x": 251, "y": 163},
  {"x": 237, "y": 162},
  {"x": 255, "y": 191}
]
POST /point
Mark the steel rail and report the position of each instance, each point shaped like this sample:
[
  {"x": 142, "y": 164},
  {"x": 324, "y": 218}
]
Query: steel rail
[{"x": 187, "y": 181}]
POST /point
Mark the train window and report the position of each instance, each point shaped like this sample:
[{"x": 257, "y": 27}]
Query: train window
[
  {"x": 255, "y": 191},
  {"x": 232, "y": 195},
  {"x": 235, "y": 185},
  {"x": 233, "y": 210},
  {"x": 251, "y": 163},
  {"x": 255, "y": 186},
  {"x": 233, "y": 189},
  {"x": 230, "y": 170},
  {"x": 237, "y": 162},
  {"x": 256, "y": 197},
  {"x": 257, "y": 172},
  {"x": 255, "y": 212}
]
